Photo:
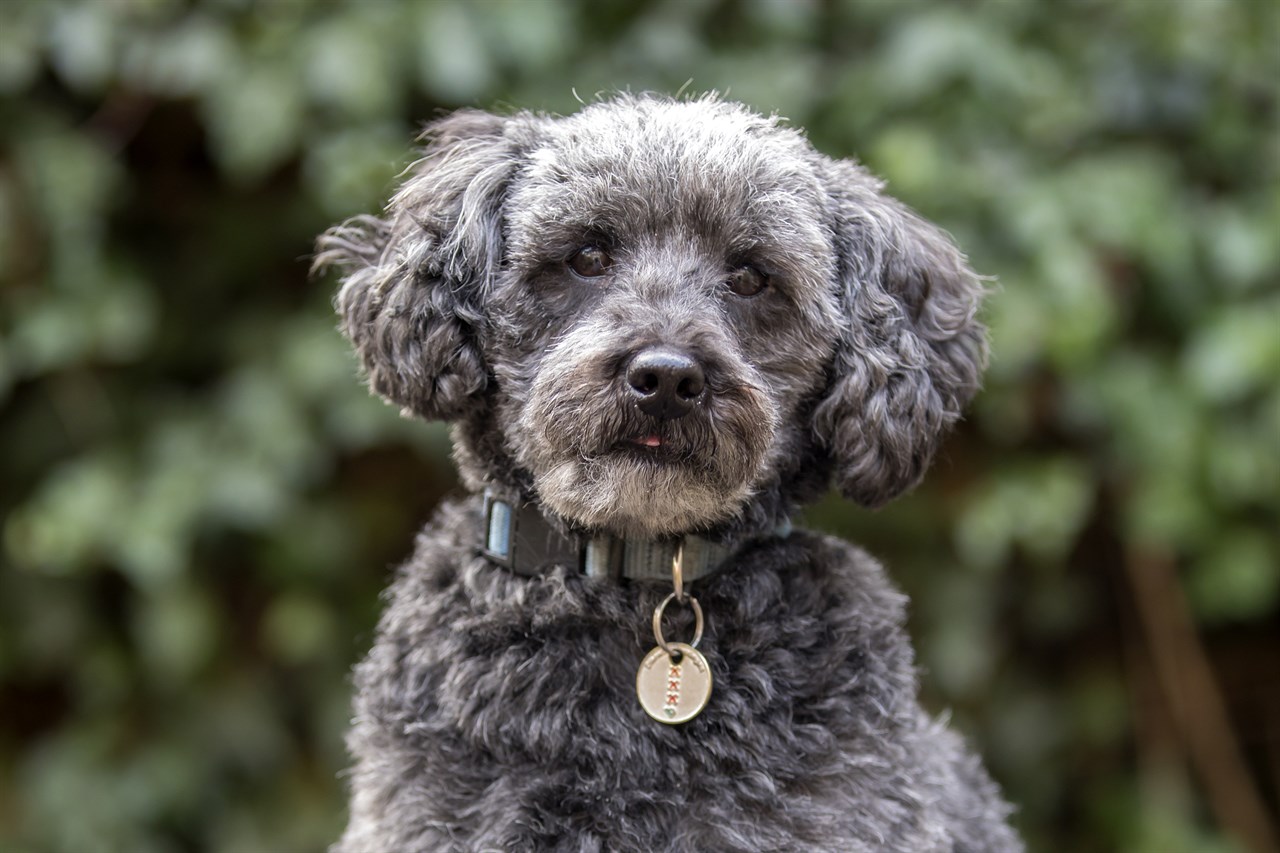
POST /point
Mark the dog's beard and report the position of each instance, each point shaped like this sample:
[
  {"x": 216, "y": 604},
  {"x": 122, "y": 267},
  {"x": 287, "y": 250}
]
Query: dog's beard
[{"x": 585, "y": 441}]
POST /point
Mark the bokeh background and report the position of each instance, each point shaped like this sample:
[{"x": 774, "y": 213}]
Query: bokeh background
[{"x": 200, "y": 502}]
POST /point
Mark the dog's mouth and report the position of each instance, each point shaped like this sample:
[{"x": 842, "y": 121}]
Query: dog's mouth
[{"x": 651, "y": 446}]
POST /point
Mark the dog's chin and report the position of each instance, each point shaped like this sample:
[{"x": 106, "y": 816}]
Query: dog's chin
[{"x": 637, "y": 494}]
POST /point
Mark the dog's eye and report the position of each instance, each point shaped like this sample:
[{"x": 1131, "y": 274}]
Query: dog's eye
[
  {"x": 590, "y": 262},
  {"x": 746, "y": 281}
]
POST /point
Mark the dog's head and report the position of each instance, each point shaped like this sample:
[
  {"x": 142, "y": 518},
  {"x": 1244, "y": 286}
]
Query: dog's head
[{"x": 659, "y": 316}]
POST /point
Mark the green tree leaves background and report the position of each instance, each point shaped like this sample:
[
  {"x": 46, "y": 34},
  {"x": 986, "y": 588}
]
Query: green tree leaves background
[{"x": 200, "y": 502}]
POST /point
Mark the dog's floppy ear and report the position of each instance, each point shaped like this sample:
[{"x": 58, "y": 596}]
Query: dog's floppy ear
[
  {"x": 413, "y": 278},
  {"x": 911, "y": 351}
]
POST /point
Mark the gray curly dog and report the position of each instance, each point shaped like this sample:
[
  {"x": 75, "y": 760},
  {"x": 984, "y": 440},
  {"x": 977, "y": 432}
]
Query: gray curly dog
[{"x": 657, "y": 326}]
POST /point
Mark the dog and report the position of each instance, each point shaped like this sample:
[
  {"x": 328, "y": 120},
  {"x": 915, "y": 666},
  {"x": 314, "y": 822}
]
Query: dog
[{"x": 658, "y": 327}]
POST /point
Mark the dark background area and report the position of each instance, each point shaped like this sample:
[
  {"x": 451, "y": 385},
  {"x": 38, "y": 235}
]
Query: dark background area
[{"x": 200, "y": 502}]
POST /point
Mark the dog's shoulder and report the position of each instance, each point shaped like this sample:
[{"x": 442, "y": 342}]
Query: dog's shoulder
[{"x": 825, "y": 573}]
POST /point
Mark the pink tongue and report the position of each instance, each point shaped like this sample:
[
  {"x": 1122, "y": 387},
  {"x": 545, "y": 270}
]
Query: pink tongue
[{"x": 651, "y": 441}]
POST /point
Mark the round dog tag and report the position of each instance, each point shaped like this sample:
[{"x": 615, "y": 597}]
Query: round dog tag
[{"x": 672, "y": 692}]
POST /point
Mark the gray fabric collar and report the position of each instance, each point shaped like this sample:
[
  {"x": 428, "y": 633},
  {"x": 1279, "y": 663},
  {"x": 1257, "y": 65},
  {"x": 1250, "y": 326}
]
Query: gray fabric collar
[{"x": 519, "y": 538}]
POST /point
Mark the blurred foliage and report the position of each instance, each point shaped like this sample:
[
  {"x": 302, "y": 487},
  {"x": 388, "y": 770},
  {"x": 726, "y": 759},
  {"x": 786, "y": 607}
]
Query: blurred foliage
[{"x": 200, "y": 502}]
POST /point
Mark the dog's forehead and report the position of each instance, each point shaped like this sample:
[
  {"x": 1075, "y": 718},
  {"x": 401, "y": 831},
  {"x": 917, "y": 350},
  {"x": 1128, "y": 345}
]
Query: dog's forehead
[{"x": 637, "y": 166}]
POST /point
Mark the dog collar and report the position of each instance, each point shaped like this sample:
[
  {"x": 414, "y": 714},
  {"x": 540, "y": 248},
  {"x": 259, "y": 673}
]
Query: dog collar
[{"x": 519, "y": 538}]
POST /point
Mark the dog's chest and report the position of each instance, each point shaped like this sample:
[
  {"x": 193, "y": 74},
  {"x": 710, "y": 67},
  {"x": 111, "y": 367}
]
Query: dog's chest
[{"x": 512, "y": 703}]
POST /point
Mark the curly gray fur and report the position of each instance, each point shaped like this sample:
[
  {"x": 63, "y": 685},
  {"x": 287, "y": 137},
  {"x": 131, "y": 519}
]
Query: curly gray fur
[{"x": 497, "y": 711}]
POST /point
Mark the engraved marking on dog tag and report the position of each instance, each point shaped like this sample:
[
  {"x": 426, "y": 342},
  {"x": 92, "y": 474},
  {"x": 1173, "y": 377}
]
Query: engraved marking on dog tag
[{"x": 673, "y": 692}]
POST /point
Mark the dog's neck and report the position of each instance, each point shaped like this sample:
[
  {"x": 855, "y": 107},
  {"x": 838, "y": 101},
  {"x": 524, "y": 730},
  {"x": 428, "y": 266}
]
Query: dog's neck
[{"x": 519, "y": 537}]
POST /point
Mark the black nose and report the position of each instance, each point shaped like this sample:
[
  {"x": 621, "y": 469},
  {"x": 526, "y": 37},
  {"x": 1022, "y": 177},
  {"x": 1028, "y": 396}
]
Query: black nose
[{"x": 666, "y": 382}]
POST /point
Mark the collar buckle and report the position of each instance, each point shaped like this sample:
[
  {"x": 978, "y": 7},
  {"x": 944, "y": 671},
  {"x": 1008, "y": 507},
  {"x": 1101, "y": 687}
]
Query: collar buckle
[{"x": 499, "y": 530}]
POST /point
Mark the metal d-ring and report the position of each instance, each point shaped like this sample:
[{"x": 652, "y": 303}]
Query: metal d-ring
[
  {"x": 677, "y": 572},
  {"x": 697, "y": 623}
]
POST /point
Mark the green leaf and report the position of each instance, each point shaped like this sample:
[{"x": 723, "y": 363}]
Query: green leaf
[
  {"x": 83, "y": 43},
  {"x": 1237, "y": 352},
  {"x": 350, "y": 66},
  {"x": 176, "y": 628},
  {"x": 454, "y": 62},
  {"x": 68, "y": 524},
  {"x": 352, "y": 171},
  {"x": 298, "y": 629},
  {"x": 185, "y": 60},
  {"x": 255, "y": 118},
  {"x": 1238, "y": 579},
  {"x": 19, "y": 47},
  {"x": 1040, "y": 506}
]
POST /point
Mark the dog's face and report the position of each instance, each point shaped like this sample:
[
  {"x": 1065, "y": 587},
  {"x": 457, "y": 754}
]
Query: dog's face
[
  {"x": 653, "y": 309},
  {"x": 663, "y": 310}
]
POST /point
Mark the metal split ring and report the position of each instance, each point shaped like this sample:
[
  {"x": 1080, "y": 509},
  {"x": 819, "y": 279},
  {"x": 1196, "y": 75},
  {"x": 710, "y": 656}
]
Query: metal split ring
[{"x": 697, "y": 623}]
